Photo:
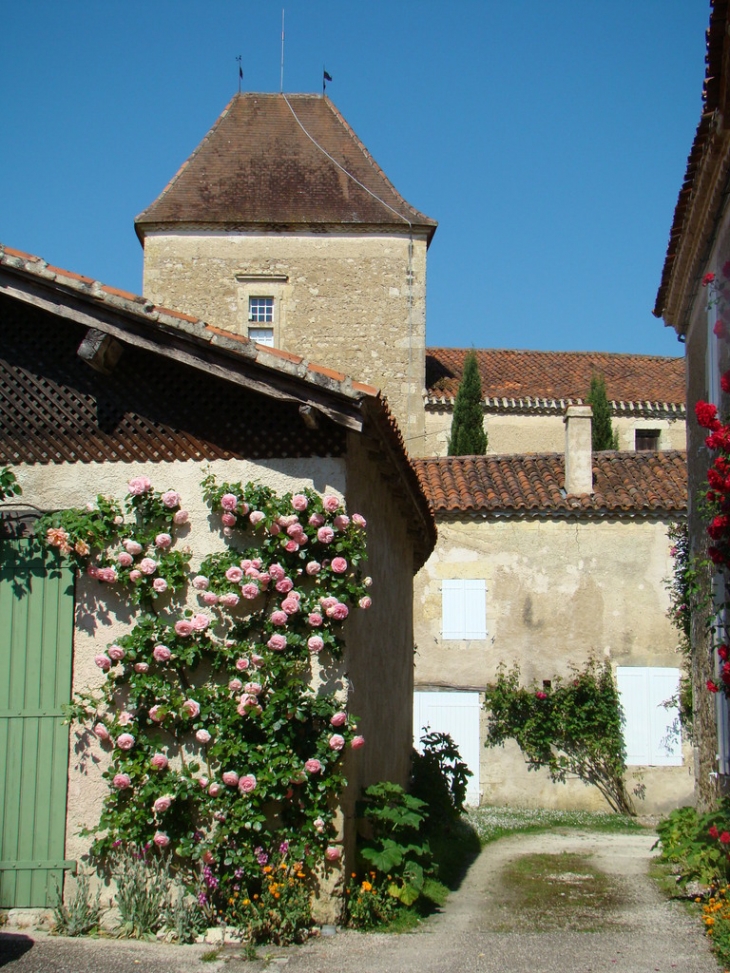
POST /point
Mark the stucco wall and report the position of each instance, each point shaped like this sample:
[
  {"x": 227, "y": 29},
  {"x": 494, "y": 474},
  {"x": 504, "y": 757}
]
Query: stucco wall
[
  {"x": 380, "y": 640},
  {"x": 100, "y": 620},
  {"x": 557, "y": 593},
  {"x": 513, "y": 433},
  {"x": 345, "y": 301}
]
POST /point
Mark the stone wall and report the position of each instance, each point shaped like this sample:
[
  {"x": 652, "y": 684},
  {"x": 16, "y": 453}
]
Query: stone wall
[
  {"x": 354, "y": 302},
  {"x": 517, "y": 433},
  {"x": 557, "y": 592}
]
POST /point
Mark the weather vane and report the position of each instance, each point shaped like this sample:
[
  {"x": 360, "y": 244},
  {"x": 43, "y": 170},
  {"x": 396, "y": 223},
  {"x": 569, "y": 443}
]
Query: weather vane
[
  {"x": 240, "y": 72},
  {"x": 325, "y": 78}
]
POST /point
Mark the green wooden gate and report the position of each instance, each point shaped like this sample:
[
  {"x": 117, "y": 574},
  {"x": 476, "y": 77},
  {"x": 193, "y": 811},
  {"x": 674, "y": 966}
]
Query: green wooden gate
[{"x": 36, "y": 640}]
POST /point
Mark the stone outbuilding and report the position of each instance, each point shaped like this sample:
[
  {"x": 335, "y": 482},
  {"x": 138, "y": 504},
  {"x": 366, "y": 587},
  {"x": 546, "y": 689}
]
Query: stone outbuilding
[
  {"x": 97, "y": 386},
  {"x": 546, "y": 567}
]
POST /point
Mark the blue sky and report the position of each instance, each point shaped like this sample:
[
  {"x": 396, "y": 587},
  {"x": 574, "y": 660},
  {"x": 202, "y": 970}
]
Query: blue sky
[{"x": 548, "y": 140}]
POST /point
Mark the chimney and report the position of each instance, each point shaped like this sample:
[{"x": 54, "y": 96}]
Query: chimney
[{"x": 578, "y": 449}]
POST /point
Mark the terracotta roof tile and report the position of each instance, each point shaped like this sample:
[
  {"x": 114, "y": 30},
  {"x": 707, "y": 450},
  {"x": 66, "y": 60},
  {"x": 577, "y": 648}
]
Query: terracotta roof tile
[
  {"x": 627, "y": 484},
  {"x": 558, "y": 375},
  {"x": 284, "y": 160}
]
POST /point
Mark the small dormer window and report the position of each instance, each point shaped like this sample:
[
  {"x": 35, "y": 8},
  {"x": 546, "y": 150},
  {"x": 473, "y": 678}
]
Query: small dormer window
[{"x": 260, "y": 310}]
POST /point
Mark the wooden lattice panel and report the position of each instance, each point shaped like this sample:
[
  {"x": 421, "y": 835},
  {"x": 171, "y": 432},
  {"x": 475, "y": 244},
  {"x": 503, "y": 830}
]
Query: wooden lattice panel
[{"x": 55, "y": 408}]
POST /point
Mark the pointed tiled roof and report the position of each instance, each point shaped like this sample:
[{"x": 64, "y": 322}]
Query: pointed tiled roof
[
  {"x": 624, "y": 484},
  {"x": 558, "y": 375},
  {"x": 284, "y": 161}
]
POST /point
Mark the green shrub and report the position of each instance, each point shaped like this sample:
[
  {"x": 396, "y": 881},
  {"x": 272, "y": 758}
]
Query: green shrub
[
  {"x": 439, "y": 777},
  {"x": 697, "y": 844}
]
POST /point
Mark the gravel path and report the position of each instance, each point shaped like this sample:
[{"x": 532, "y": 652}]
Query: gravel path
[{"x": 476, "y": 931}]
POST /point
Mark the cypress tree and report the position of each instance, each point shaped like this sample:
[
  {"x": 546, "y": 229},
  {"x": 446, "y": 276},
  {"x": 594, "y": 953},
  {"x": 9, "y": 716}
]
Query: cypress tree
[
  {"x": 468, "y": 437},
  {"x": 604, "y": 435}
]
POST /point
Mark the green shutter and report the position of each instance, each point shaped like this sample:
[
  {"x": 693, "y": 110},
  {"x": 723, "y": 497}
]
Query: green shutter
[{"x": 36, "y": 641}]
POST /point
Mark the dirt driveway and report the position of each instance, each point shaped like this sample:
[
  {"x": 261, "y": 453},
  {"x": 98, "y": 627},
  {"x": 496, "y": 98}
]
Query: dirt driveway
[{"x": 563, "y": 902}]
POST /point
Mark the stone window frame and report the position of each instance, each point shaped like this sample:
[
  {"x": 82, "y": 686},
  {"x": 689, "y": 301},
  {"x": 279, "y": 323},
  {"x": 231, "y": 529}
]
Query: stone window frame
[{"x": 262, "y": 285}]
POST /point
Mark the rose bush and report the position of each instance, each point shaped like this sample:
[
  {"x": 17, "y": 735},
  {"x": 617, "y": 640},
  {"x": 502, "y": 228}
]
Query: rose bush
[{"x": 219, "y": 748}]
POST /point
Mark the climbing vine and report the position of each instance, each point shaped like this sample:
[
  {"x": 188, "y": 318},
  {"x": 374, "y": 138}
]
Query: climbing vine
[
  {"x": 568, "y": 726},
  {"x": 219, "y": 748}
]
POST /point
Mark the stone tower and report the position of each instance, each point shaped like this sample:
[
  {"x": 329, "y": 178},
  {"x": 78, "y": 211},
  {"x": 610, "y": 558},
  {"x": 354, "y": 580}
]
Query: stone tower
[{"x": 282, "y": 227}]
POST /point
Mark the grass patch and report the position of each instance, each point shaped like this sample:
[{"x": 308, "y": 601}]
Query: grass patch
[
  {"x": 492, "y": 823},
  {"x": 566, "y": 891}
]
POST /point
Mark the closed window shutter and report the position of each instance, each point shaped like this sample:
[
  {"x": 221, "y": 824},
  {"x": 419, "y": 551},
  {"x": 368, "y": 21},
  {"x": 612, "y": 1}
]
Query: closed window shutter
[
  {"x": 665, "y": 739},
  {"x": 463, "y": 609},
  {"x": 651, "y": 729},
  {"x": 475, "y": 622},
  {"x": 632, "y": 687}
]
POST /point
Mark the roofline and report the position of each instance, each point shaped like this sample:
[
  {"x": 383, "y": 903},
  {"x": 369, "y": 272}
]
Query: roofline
[
  {"x": 135, "y": 320},
  {"x": 420, "y": 220},
  {"x": 541, "y": 512},
  {"x": 529, "y": 405},
  {"x": 704, "y": 188}
]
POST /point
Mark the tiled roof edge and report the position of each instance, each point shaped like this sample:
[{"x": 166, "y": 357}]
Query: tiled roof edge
[{"x": 556, "y": 406}]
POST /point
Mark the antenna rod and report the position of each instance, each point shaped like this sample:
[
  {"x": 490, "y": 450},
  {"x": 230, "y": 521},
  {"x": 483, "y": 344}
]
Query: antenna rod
[
  {"x": 240, "y": 72},
  {"x": 281, "y": 80}
]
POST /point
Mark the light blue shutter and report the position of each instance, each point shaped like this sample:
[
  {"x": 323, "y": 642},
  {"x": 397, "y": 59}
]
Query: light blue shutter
[
  {"x": 463, "y": 609},
  {"x": 632, "y": 687},
  {"x": 665, "y": 737},
  {"x": 457, "y": 714},
  {"x": 651, "y": 729}
]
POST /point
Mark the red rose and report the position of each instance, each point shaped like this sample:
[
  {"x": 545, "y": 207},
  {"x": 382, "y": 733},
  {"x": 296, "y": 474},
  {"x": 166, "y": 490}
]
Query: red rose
[
  {"x": 725, "y": 837},
  {"x": 725, "y": 382},
  {"x": 718, "y": 526},
  {"x": 713, "y": 832},
  {"x": 712, "y": 687},
  {"x": 707, "y": 279},
  {"x": 722, "y": 651},
  {"x": 716, "y": 555},
  {"x": 706, "y": 414}
]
